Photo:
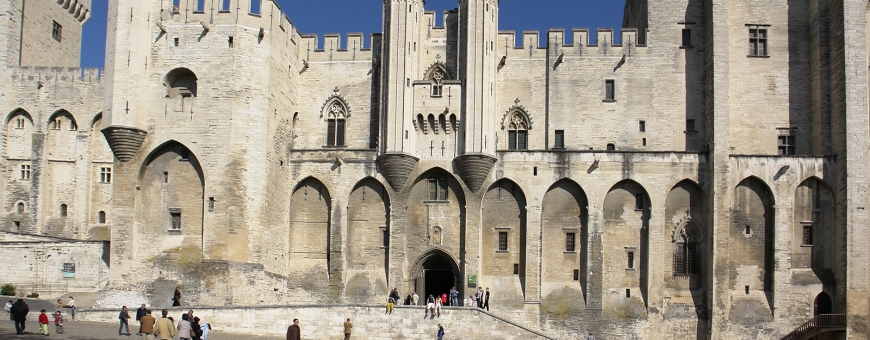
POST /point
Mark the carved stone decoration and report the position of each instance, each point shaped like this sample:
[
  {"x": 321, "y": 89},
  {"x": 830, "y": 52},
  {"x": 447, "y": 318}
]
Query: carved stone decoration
[
  {"x": 335, "y": 106},
  {"x": 437, "y": 71},
  {"x": 687, "y": 230},
  {"x": 124, "y": 141},
  {"x": 474, "y": 168},
  {"x": 515, "y": 117},
  {"x": 396, "y": 167},
  {"x": 435, "y": 236}
]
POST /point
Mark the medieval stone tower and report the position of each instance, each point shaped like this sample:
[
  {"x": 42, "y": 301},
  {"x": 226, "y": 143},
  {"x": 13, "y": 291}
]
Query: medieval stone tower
[{"x": 701, "y": 174}]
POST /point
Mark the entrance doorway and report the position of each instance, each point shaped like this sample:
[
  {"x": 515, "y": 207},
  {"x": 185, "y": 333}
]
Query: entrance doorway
[
  {"x": 822, "y": 304},
  {"x": 439, "y": 274}
]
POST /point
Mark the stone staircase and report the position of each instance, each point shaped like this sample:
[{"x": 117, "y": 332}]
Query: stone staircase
[{"x": 327, "y": 321}]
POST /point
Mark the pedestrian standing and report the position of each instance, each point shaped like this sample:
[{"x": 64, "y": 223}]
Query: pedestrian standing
[
  {"x": 443, "y": 298},
  {"x": 454, "y": 297},
  {"x": 486, "y": 299},
  {"x": 590, "y": 337},
  {"x": 347, "y": 327},
  {"x": 19, "y": 315},
  {"x": 58, "y": 322},
  {"x": 43, "y": 323},
  {"x": 438, "y": 304},
  {"x": 479, "y": 297},
  {"x": 71, "y": 304},
  {"x": 414, "y": 298},
  {"x": 146, "y": 326},
  {"x": 124, "y": 318},
  {"x": 164, "y": 329},
  {"x": 140, "y": 312},
  {"x": 176, "y": 297},
  {"x": 195, "y": 328},
  {"x": 293, "y": 332},
  {"x": 440, "y": 332},
  {"x": 9, "y": 309},
  {"x": 184, "y": 331},
  {"x": 58, "y": 305},
  {"x": 470, "y": 302}
]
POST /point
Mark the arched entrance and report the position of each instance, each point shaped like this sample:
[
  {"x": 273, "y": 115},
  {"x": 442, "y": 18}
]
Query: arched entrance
[
  {"x": 822, "y": 305},
  {"x": 437, "y": 273}
]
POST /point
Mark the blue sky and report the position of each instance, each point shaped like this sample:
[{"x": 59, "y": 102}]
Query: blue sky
[{"x": 342, "y": 16}]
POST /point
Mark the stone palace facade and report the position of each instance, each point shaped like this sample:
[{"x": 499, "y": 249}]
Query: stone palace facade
[{"x": 706, "y": 177}]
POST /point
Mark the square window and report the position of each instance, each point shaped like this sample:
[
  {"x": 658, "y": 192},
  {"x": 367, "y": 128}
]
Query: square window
[
  {"x": 25, "y": 172},
  {"x": 502, "y": 241},
  {"x": 757, "y": 41},
  {"x": 609, "y": 90},
  {"x": 785, "y": 145},
  {"x": 690, "y": 125},
  {"x": 105, "y": 175},
  {"x": 687, "y": 38},
  {"x": 175, "y": 219},
  {"x": 56, "y": 31},
  {"x": 560, "y": 139},
  {"x": 570, "y": 238}
]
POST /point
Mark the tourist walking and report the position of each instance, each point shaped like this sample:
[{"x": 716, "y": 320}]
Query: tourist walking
[
  {"x": 486, "y": 299},
  {"x": 58, "y": 323},
  {"x": 176, "y": 297},
  {"x": 71, "y": 304},
  {"x": 294, "y": 332},
  {"x": 454, "y": 297},
  {"x": 19, "y": 315},
  {"x": 440, "y": 332},
  {"x": 347, "y": 327},
  {"x": 184, "y": 330},
  {"x": 9, "y": 309},
  {"x": 43, "y": 323},
  {"x": 164, "y": 329},
  {"x": 140, "y": 312},
  {"x": 146, "y": 326},
  {"x": 124, "y": 318}
]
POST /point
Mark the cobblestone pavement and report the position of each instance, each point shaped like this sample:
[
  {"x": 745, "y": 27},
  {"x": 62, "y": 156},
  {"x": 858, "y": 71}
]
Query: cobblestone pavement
[{"x": 86, "y": 330}]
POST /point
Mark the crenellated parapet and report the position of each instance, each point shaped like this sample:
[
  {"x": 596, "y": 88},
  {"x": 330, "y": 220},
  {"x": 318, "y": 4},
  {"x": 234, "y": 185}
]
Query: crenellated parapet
[
  {"x": 354, "y": 48},
  {"x": 77, "y": 9},
  {"x": 533, "y": 47},
  {"x": 43, "y": 75}
]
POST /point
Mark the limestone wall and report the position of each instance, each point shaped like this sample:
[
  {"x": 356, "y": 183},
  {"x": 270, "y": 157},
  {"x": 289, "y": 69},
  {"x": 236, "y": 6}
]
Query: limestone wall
[{"x": 35, "y": 264}]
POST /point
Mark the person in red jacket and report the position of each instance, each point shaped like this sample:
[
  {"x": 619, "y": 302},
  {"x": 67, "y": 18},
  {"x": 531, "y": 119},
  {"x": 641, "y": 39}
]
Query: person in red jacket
[{"x": 43, "y": 323}]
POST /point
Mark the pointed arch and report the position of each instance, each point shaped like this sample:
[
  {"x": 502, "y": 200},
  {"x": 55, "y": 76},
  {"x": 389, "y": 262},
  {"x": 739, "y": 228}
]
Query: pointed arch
[
  {"x": 97, "y": 117},
  {"x": 517, "y": 123},
  {"x": 19, "y": 112},
  {"x": 178, "y": 150},
  {"x": 19, "y": 135},
  {"x": 336, "y": 112},
  {"x": 309, "y": 232},
  {"x": 504, "y": 238},
  {"x": 368, "y": 241},
  {"x": 60, "y": 119},
  {"x": 565, "y": 244},
  {"x": 437, "y": 72},
  {"x": 751, "y": 242},
  {"x": 813, "y": 227},
  {"x": 625, "y": 241}
]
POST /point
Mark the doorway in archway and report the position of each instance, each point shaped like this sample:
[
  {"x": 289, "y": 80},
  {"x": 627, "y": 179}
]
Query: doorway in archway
[
  {"x": 823, "y": 304},
  {"x": 438, "y": 276}
]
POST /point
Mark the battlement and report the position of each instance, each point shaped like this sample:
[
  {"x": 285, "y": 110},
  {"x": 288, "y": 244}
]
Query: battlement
[
  {"x": 580, "y": 38},
  {"x": 54, "y": 74},
  {"x": 78, "y": 10},
  {"x": 333, "y": 49}
]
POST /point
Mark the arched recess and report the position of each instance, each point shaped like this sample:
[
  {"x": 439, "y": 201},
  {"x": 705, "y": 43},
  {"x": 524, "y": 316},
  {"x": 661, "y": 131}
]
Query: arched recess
[
  {"x": 625, "y": 243},
  {"x": 310, "y": 225},
  {"x": 503, "y": 242},
  {"x": 368, "y": 229},
  {"x": 181, "y": 86},
  {"x": 689, "y": 244},
  {"x": 19, "y": 135},
  {"x": 750, "y": 248},
  {"x": 61, "y": 149},
  {"x": 435, "y": 218},
  {"x": 60, "y": 137},
  {"x": 565, "y": 247},
  {"x": 813, "y": 229},
  {"x": 435, "y": 271},
  {"x": 170, "y": 202},
  {"x": 102, "y": 173}
]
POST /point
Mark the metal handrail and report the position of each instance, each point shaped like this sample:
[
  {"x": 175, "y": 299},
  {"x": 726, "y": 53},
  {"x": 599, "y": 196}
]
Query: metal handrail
[{"x": 816, "y": 324}]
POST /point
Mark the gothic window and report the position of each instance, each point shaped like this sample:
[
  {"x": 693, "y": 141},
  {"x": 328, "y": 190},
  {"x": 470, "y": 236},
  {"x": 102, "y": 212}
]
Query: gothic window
[
  {"x": 687, "y": 255},
  {"x": 437, "y": 85},
  {"x": 335, "y": 124},
  {"x": 19, "y": 123},
  {"x": 437, "y": 188},
  {"x": 518, "y": 131}
]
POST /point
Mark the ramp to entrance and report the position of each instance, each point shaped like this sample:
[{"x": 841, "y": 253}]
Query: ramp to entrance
[{"x": 326, "y": 322}]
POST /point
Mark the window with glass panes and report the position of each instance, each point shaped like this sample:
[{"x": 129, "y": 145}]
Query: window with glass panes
[
  {"x": 437, "y": 188},
  {"x": 502, "y": 241},
  {"x": 518, "y": 132},
  {"x": 757, "y": 41},
  {"x": 785, "y": 145}
]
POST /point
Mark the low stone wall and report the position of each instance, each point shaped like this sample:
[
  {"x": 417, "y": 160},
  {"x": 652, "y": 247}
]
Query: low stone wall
[
  {"x": 327, "y": 322},
  {"x": 34, "y": 263}
]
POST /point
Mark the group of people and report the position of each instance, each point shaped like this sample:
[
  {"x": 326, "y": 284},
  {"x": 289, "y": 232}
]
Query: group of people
[
  {"x": 433, "y": 303},
  {"x": 189, "y": 328},
  {"x": 18, "y": 313}
]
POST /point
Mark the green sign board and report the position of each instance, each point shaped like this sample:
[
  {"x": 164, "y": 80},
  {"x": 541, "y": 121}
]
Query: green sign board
[{"x": 472, "y": 281}]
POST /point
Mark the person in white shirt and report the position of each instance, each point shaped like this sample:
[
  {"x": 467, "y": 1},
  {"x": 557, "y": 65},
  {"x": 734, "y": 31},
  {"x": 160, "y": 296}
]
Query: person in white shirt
[{"x": 71, "y": 303}]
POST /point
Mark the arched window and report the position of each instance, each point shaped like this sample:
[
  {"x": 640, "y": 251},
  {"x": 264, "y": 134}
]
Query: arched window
[
  {"x": 335, "y": 118},
  {"x": 20, "y": 208},
  {"x": 63, "y": 210},
  {"x": 101, "y": 217},
  {"x": 437, "y": 85},
  {"x": 518, "y": 131},
  {"x": 180, "y": 84},
  {"x": 687, "y": 255}
]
